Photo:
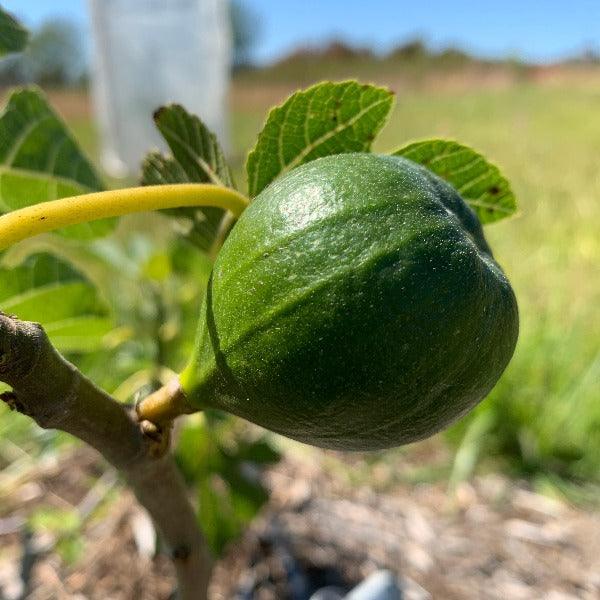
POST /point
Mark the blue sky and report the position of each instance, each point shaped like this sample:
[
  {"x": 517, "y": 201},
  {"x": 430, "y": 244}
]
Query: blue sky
[{"x": 540, "y": 30}]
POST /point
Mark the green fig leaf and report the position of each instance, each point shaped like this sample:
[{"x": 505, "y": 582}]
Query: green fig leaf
[
  {"x": 49, "y": 291},
  {"x": 193, "y": 145},
  {"x": 40, "y": 160},
  {"x": 197, "y": 157},
  {"x": 158, "y": 169},
  {"x": 226, "y": 476},
  {"x": 327, "y": 118},
  {"x": 13, "y": 36},
  {"x": 478, "y": 181}
]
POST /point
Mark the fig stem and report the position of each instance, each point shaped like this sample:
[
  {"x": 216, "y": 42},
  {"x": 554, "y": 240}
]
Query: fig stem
[
  {"x": 55, "y": 214},
  {"x": 163, "y": 405}
]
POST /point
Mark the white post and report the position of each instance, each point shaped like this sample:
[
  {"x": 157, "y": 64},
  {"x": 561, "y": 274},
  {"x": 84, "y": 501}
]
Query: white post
[{"x": 152, "y": 52}]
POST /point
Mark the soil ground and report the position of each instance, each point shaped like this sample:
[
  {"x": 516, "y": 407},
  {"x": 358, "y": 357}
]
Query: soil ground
[{"x": 491, "y": 539}]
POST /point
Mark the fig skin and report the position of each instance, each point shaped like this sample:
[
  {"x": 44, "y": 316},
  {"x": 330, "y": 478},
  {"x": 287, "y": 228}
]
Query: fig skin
[{"x": 355, "y": 305}]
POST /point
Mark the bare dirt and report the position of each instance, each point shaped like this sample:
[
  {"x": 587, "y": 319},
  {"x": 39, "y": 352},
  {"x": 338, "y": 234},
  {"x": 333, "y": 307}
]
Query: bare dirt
[{"x": 492, "y": 538}]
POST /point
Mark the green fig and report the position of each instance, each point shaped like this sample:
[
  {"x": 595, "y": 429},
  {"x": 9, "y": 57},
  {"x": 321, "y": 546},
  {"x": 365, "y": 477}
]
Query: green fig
[{"x": 355, "y": 305}]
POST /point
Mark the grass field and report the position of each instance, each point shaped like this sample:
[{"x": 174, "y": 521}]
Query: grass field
[{"x": 544, "y": 416}]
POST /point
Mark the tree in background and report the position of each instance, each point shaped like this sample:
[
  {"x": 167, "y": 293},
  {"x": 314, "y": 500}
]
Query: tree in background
[
  {"x": 55, "y": 57},
  {"x": 411, "y": 50},
  {"x": 245, "y": 32}
]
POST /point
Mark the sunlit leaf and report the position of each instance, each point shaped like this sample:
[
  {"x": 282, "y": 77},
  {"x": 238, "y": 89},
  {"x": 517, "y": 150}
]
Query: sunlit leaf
[
  {"x": 478, "y": 181},
  {"x": 47, "y": 290},
  {"x": 197, "y": 157},
  {"x": 193, "y": 145},
  {"x": 328, "y": 118}
]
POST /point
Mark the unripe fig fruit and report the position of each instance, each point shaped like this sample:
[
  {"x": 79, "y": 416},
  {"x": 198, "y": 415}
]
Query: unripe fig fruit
[{"x": 355, "y": 305}]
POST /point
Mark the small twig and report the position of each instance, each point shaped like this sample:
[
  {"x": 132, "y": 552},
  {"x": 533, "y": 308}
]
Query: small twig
[{"x": 56, "y": 395}]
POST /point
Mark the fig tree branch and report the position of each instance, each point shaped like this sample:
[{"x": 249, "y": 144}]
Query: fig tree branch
[{"x": 50, "y": 390}]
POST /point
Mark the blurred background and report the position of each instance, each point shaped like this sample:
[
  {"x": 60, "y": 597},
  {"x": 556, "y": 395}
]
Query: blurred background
[{"x": 505, "y": 503}]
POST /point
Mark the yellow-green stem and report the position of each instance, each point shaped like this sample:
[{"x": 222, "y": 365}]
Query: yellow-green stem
[
  {"x": 164, "y": 405},
  {"x": 47, "y": 216}
]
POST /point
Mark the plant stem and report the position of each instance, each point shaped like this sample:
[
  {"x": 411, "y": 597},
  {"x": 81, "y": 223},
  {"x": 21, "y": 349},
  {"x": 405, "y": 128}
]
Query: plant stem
[
  {"x": 164, "y": 405},
  {"x": 47, "y": 216}
]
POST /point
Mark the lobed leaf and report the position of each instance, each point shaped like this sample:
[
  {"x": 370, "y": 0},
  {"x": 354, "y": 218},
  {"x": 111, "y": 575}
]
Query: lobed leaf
[
  {"x": 327, "y": 118},
  {"x": 41, "y": 161},
  {"x": 229, "y": 491},
  {"x": 13, "y": 36},
  {"x": 49, "y": 291},
  {"x": 478, "y": 181},
  {"x": 158, "y": 169},
  {"x": 197, "y": 157},
  {"x": 193, "y": 145}
]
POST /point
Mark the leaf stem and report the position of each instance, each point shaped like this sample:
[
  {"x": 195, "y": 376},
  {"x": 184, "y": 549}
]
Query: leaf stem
[{"x": 48, "y": 216}]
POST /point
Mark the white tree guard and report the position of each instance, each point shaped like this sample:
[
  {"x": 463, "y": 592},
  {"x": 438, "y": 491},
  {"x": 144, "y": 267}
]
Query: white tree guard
[{"x": 151, "y": 52}]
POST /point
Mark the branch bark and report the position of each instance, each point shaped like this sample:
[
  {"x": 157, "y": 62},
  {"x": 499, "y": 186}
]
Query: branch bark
[{"x": 50, "y": 390}]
